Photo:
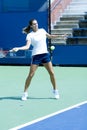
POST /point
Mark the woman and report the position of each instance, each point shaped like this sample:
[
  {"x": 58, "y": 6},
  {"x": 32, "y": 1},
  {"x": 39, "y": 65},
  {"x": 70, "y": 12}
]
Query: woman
[{"x": 40, "y": 55}]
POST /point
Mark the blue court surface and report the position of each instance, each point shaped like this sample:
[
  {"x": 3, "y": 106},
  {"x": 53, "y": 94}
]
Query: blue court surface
[{"x": 72, "y": 118}]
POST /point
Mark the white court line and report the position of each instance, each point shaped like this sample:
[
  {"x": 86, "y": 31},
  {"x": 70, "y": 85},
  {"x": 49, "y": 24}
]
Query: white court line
[{"x": 50, "y": 115}]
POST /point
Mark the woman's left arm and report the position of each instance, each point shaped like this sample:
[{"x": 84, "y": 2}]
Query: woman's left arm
[{"x": 53, "y": 36}]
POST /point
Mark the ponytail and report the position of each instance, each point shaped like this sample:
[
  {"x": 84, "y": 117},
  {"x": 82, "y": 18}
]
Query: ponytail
[{"x": 26, "y": 29}]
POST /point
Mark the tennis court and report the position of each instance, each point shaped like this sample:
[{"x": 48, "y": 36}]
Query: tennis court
[{"x": 72, "y": 84}]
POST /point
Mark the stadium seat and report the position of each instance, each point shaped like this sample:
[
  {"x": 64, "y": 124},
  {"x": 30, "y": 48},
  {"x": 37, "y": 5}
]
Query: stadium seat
[
  {"x": 79, "y": 32},
  {"x": 76, "y": 40},
  {"x": 83, "y": 23}
]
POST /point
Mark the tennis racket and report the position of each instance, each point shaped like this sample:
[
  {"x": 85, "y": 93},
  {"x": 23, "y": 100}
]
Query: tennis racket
[{"x": 5, "y": 53}]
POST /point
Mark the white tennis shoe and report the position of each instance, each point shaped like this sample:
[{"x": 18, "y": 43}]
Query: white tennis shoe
[
  {"x": 56, "y": 94},
  {"x": 25, "y": 96}
]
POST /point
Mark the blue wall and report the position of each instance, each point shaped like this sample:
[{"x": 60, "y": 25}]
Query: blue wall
[
  {"x": 20, "y": 5},
  {"x": 70, "y": 55},
  {"x": 11, "y": 25}
]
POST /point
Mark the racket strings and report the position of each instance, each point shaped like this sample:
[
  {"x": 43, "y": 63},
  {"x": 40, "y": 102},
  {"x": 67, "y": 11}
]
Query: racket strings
[{"x": 3, "y": 53}]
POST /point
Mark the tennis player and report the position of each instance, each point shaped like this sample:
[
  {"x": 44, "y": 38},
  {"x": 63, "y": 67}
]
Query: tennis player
[{"x": 37, "y": 38}]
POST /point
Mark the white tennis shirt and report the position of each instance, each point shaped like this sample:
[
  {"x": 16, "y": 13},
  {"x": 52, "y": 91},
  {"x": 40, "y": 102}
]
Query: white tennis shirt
[{"x": 38, "y": 41}]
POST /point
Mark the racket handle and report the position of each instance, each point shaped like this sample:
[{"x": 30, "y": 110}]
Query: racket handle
[{"x": 11, "y": 50}]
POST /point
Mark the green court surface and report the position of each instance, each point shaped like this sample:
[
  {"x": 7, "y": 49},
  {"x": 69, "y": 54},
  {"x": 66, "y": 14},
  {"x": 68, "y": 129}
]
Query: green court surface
[{"x": 72, "y": 84}]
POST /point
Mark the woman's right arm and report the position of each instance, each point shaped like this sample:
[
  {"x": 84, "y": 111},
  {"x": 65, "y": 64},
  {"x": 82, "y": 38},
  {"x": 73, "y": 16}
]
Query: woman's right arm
[{"x": 26, "y": 47}]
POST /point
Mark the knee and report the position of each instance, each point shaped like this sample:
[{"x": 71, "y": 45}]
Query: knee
[
  {"x": 52, "y": 74},
  {"x": 31, "y": 75}
]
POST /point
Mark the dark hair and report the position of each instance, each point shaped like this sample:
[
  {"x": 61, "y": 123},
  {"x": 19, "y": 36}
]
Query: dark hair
[{"x": 28, "y": 28}]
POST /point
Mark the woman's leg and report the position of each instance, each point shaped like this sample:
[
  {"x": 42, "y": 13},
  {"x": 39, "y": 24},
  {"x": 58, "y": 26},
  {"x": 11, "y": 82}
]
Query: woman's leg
[
  {"x": 28, "y": 81},
  {"x": 30, "y": 75},
  {"x": 49, "y": 68}
]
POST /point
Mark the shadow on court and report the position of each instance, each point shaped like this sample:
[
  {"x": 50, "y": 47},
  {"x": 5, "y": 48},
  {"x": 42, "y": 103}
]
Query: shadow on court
[
  {"x": 30, "y": 98},
  {"x": 10, "y": 98}
]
